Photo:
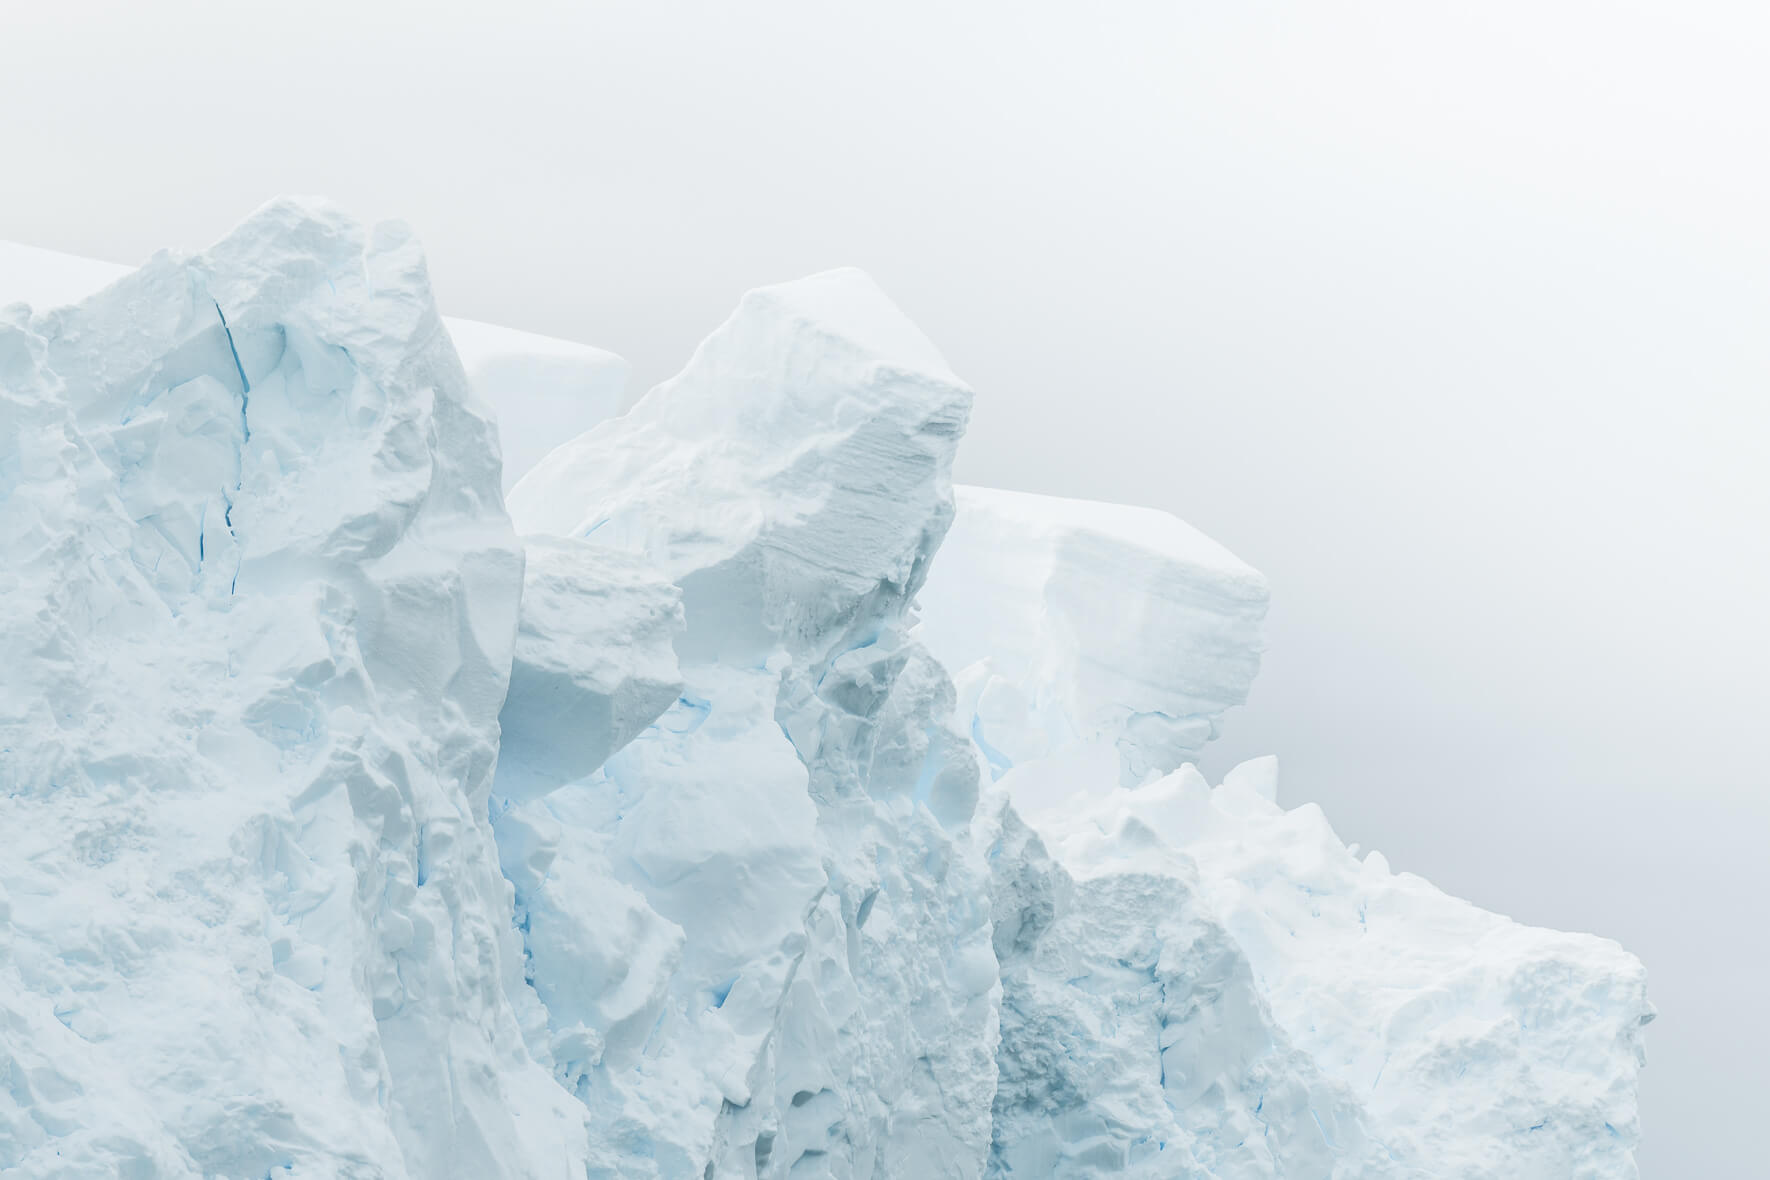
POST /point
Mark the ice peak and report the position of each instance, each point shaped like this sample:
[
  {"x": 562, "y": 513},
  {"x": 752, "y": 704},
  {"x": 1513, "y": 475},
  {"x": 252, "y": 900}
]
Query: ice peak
[
  {"x": 798, "y": 468},
  {"x": 848, "y": 309}
]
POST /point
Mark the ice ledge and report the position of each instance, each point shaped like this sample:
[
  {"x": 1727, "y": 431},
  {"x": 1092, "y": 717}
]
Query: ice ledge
[{"x": 1070, "y": 624}]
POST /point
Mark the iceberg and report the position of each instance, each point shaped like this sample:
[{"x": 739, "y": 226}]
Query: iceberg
[
  {"x": 261, "y": 601},
  {"x": 735, "y": 798}
]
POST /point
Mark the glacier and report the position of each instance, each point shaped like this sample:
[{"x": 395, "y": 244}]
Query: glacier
[{"x": 413, "y": 766}]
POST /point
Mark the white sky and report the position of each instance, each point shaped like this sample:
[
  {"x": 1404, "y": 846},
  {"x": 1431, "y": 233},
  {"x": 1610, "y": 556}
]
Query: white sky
[{"x": 1450, "y": 318}]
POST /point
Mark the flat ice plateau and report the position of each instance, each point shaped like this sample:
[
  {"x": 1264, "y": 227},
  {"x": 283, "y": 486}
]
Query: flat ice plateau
[{"x": 718, "y": 793}]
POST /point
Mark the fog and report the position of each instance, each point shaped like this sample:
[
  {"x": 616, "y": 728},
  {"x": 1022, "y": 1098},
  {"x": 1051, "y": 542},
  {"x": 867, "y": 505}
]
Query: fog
[{"x": 1452, "y": 319}]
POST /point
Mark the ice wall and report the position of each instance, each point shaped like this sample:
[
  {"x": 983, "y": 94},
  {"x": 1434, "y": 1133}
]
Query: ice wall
[
  {"x": 1085, "y": 636},
  {"x": 261, "y": 597},
  {"x": 1135, "y": 1037},
  {"x": 810, "y": 989},
  {"x": 344, "y": 834},
  {"x": 547, "y": 390},
  {"x": 1196, "y": 971},
  {"x": 1472, "y": 1045}
]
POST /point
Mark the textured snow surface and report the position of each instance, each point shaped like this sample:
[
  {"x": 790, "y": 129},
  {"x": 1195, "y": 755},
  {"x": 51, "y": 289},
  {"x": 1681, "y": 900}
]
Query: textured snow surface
[
  {"x": 1316, "y": 1014},
  {"x": 797, "y": 978},
  {"x": 343, "y": 833},
  {"x": 547, "y": 390},
  {"x": 594, "y": 663},
  {"x": 260, "y": 598}
]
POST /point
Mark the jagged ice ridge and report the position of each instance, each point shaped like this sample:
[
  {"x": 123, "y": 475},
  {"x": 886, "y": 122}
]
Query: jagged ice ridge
[{"x": 743, "y": 800}]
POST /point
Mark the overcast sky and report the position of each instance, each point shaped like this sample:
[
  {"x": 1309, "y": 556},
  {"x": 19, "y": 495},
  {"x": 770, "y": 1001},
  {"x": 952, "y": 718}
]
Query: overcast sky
[{"x": 1451, "y": 318}]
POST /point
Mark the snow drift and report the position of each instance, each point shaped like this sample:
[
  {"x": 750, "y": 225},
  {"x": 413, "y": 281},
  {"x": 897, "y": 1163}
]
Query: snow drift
[{"x": 343, "y": 832}]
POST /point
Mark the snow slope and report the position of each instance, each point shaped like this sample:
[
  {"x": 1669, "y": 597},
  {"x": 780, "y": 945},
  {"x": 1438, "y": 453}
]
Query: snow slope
[
  {"x": 547, "y": 390},
  {"x": 344, "y": 833}
]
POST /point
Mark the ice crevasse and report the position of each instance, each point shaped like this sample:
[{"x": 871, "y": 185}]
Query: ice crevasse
[{"x": 735, "y": 798}]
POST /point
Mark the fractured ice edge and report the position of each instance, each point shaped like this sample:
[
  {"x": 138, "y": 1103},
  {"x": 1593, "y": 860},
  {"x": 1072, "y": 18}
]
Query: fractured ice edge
[{"x": 726, "y": 824}]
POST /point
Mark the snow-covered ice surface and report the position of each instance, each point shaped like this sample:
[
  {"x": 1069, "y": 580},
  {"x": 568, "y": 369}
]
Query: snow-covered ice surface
[
  {"x": 343, "y": 833},
  {"x": 1316, "y": 1014},
  {"x": 261, "y": 598},
  {"x": 1079, "y": 631},
  {"x": 594, "y": 663},
  {"x": 49, "y": 278},
  {"x": 1134, "y": 1036},
  {"x": 547, "y": 390},
  {"x": 789, "y": 845}
]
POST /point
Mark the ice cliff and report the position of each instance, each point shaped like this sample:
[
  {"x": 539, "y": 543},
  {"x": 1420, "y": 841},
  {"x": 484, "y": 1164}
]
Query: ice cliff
[
  {"x": 545, "y": 390},
  {"x": 1086, "y": 637},
  {"x": 757, "y": 804},
  {"x": 261, "y": 599}
]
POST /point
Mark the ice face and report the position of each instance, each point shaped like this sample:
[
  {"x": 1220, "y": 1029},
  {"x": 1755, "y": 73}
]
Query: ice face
[
  {"x": 1084, "y": 635},
  {"x": 1461, "y": 1042},
  {"x": 797, "y": 977},
  {"x": 343, "y": 834},
  {"x": 594, "y": 664},
  {"x": 1135, "y": 1038},
  {"x": 261, "y": 603},
  {"x": 547, "y": 390},
  {"x": 794, "y": 479}
]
